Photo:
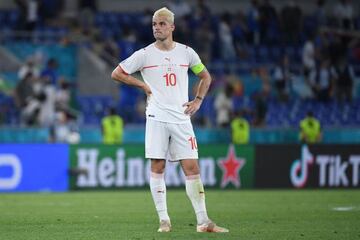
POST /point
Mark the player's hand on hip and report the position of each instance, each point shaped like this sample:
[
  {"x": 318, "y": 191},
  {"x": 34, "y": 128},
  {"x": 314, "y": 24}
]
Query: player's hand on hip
[
  {"x": 147, "y": 89},
  {"x": 192, "y": 107}
]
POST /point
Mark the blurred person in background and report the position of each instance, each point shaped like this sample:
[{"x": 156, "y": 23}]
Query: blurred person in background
[
  {"x": 240, "y": 129},
  {"x": 344, "y": 14},
  {"x": 36, "y": 99},
  {"x": 29, "y": 66},
  {"x": 63, "y": 98},
  {"x": 224, "y": 106},
  {"x": 47, "y": 107},
  {"x": 261, "y": 99},
  {"x": 344, "y": 77},
  {"x": 320, "y": 80},
  {"x": 26, "y": 100},
  {"x": 253, "y": 17},
  {"x": 310, "y": 129},
  {"x": 32, "y": 17},
  {"x": 106, "y": 48},
  {"x": 308, "y": 57},
  {"x": 164, "y": 67},
  {"x": 240, "y": 33},
  {"x": 64, "y": 129},
  {"x": 50, "y": 71},
  {"x": 111, "y": 51},
  {"x": 282, "y": 78},
  {"x": 29, "y": 14},
  {"x": 63, "y": 95},
  {"x": 227, "y": 48},
  {"x": 112, "y": 127}
]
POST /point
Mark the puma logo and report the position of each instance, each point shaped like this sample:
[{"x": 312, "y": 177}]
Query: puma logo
[
  {"x": 160, "y": 191},
  {"x": 167, "y": 59},
  {"x": 201, "y": 192}
]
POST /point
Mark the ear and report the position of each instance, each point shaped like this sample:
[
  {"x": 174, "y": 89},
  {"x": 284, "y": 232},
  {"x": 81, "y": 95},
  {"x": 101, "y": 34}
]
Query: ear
[{"x": 173, "y": 27}]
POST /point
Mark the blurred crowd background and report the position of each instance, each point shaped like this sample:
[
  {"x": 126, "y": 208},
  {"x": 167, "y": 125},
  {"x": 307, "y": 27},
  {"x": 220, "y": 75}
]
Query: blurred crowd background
[{"x": 271, "y": 63}]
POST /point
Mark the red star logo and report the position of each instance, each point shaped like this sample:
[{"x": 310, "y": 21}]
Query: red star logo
[{"x": 231, "y": 167}]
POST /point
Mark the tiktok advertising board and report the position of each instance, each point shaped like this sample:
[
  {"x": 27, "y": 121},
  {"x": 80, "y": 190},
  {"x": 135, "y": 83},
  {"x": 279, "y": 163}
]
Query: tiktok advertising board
[{"x": 307, "y": 166}]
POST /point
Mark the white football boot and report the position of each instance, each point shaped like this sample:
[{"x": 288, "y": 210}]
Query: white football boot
[
  {"x": 165, "y": 226},
  {"x": 211, "y": 227}
]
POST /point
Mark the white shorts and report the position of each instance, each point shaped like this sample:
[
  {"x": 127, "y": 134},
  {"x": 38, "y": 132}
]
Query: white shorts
[{"x": 164, "y": 140}]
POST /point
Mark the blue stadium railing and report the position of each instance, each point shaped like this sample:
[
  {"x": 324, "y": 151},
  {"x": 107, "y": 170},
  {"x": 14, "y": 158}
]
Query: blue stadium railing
[{"x": 136, "y": 135}]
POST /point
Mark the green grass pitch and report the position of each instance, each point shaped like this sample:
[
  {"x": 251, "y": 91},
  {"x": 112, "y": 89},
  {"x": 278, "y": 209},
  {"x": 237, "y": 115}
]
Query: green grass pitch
[{"x": 249, "y": 214}]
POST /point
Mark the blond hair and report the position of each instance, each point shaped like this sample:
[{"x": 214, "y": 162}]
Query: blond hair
[{"x": 165, "y": 12}]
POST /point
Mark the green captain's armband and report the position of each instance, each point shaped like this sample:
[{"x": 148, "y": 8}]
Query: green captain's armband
[{"x": 197, "y": 68}]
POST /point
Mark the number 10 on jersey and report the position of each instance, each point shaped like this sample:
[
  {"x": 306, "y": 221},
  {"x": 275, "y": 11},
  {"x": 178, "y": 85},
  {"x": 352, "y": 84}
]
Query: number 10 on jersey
[{"x": 170, "y": 79}]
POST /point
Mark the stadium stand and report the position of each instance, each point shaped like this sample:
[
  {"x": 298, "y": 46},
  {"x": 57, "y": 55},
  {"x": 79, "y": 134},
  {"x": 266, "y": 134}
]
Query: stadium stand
[{"x": 258, "y": 45}]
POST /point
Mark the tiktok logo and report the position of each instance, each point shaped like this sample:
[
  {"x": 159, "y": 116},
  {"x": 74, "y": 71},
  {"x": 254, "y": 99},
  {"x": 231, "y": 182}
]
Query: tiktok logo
[{"x": 300, "y": 168}]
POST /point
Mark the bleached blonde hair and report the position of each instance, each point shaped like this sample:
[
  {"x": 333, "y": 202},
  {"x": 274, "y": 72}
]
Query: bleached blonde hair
[{"x": 165, "y": 12}]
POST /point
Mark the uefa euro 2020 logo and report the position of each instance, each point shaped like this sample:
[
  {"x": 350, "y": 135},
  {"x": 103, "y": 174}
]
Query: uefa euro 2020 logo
[{"x": 299, "y": 170}]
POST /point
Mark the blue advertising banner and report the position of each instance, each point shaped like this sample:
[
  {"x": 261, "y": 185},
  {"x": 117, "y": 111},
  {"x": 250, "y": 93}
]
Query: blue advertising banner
[{"x": 34, "y": 167}]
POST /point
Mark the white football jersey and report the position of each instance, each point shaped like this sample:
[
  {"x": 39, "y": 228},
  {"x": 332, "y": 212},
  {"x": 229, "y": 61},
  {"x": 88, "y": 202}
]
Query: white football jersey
[{"x": 166, "y": 73}]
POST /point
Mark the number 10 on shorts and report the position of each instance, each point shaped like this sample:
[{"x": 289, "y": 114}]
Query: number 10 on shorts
[{"x": 193, "y": 143}]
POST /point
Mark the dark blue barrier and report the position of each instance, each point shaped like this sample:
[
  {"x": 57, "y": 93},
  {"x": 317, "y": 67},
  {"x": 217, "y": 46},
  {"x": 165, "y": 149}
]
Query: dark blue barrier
[{"x": 34, "y": 167}]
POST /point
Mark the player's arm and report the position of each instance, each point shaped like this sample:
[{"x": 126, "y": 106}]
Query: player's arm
[
  {"x": 203, "y": 87},
  {"x": 120, "y": 75},
  {"x": 204, "y": 84}
]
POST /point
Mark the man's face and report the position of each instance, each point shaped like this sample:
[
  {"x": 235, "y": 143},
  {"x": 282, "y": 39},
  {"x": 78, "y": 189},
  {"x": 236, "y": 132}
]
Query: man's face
[{"x": 162, "y": 29}]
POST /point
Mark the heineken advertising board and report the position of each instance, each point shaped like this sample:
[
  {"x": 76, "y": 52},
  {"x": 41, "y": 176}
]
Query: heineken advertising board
[{"x": 109, "y": 167}]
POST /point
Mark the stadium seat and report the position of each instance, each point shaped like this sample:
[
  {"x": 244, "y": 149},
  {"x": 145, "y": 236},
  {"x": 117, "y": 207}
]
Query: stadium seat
[{"x": 262, "y": 54}]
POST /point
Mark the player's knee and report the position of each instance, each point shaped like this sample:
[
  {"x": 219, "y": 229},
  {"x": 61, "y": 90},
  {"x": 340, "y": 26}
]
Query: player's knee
[
  {"x": 191, "y": 169},
  {"x": 157, "y": 166},
  {"x": 191, "y": 172}
]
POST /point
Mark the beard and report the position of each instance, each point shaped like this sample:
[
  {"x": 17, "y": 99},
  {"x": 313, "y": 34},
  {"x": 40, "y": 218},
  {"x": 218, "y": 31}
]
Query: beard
[{"x": 160, "y": 37}]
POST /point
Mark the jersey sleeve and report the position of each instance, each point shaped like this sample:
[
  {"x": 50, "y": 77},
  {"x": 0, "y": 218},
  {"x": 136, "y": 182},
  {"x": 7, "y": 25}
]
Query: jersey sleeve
[
  {"x": 195, "y": 63},
  {"x": 194, "y": 58},
  {"x": 133, "y": 63}
]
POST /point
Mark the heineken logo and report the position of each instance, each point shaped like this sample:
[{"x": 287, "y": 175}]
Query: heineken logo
[
  {"x": 123, "y": 171},
  {"x": 100, "y": 168}
]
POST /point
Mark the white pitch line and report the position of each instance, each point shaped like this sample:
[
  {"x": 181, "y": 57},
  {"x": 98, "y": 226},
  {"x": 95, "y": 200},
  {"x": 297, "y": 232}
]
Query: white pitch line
[{"x": 344, "y": 208}]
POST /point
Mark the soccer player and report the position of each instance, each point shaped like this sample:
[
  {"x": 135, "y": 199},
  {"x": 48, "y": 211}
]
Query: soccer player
[{"x": 164, "y": 67}]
